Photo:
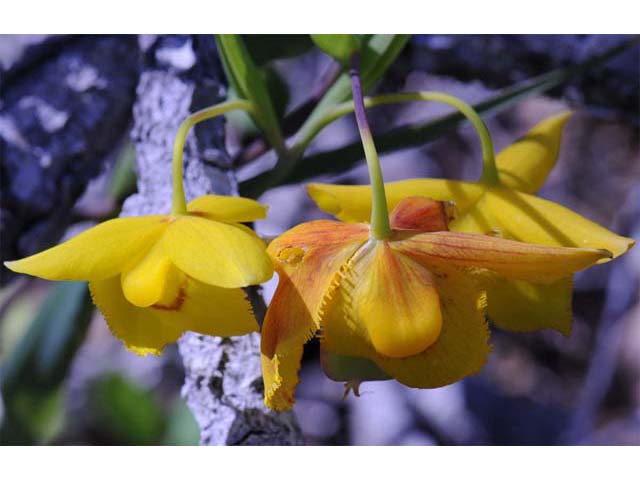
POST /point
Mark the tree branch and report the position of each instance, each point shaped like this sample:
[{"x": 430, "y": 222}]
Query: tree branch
[{"x": 223, "y": 384}]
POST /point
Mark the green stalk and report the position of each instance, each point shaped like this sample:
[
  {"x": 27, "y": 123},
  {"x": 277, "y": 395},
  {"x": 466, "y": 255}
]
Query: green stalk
[
  {"x": 380, "y": 228},
  {"x": 179, "y": 204},
  {"x": 489, "y": 170}
]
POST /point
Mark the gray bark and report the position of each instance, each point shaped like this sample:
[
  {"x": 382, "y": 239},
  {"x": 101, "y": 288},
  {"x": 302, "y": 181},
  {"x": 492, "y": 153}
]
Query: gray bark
[
  {"x": 65, "y": 103},
  {"x": 223, "y": 384}
]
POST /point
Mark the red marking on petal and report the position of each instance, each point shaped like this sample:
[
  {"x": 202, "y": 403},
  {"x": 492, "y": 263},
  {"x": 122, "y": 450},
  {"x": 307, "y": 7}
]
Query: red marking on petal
[{"x": 176, "y": 304}]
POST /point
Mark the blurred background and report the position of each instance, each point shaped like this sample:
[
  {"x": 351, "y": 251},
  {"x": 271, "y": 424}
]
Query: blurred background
[{"x": 68, "y": 161}]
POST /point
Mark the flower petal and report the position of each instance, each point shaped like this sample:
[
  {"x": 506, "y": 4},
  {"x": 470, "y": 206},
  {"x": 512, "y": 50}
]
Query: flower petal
[
  {"x": 394, "y": 302},
  {"x": 140, "y": 329},
  {"x": 287, "y": 326},
  {"x": 509, "y": 258},
  {"x": 421, "y": 213},
  {"x": 98, "y": 253},
  {"x": 526, "y": 307},
  {"x": 307, "y": 258},
  {"x": 535, "y": 220},
  {"x": 197, "y": 307},
  {"x": 352, "y": 203},
  {"x": 227, "y": 209},
  {"x": 460, "y": 350},
  {"x": 525, "y": 164},
  {"x": 146, "y": 281},
  {"x": 220, "y": 254},
  {"x": 210, "y": 310},
  {"x": 288, "y": 323},
  {"x": 280, "y": 375}
]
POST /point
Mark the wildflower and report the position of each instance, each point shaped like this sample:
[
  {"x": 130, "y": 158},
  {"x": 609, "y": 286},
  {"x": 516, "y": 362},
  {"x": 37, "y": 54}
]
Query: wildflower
[
  {"x": 503, "y": 207},
  {"x": 410, "y": 306},
  {"x": 154, "y": 277}
]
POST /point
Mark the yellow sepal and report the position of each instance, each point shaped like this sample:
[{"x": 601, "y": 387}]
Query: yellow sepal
[
  {"x": 352, "y": 203},
  {"x": 511, "y": 259},
  {"x": 95, "y": 254},
  {"x": 227, "y": 209},
  {"x": 522, "y": 306},
  {"x": 525, "y": 164},
  {"x": 531, "y": 219}
]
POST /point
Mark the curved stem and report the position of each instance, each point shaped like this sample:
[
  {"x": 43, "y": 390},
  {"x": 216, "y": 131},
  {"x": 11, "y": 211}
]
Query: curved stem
[
  {"x": 179, "y": 204},
  {"x": 380, "y": 228},
  {"x": 489, "y": 170}
]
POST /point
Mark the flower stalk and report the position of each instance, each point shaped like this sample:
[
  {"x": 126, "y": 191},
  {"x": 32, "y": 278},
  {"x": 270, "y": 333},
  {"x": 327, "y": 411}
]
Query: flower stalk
[
  {"x": 489, "y": 170},
  {"x": 179, "y": 204},
  {"x": 380, "y": 228}
]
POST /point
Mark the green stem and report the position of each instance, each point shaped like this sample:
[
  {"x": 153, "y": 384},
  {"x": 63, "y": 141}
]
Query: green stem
[
  {"x": 179, "y": 204},
  {"x": 489, "y": 170},
  {"x": 380, "y": 228}
]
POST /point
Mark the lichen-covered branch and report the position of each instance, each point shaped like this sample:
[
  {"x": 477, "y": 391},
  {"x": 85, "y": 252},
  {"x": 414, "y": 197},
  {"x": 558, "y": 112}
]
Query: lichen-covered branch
[{"x": 223, "y": 384}]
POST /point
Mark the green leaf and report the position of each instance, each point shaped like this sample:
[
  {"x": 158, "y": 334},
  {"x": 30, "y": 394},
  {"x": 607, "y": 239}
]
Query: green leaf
[
  {"x": 278, "y": 91},
  {"x": 126, "y": 411},
  {"x": 266, "y": 48},
  {"x": 378, "y": 52},
  {"x": 33, "y": 417},
  {"x": 242, "y": 123},
  {"x": 32, "y": 374},
  {"x": 123, "y": 179},
  {"x": 249, "y": 83},
  {"x": 377, "y": 56},
  {"x": 43, "y": 356},
  {"x": 341, "y": 46},
  {"x": 341, "y": 159},
  {"x": 182, "y": 428},
  {"x": 63, "y": 332}
]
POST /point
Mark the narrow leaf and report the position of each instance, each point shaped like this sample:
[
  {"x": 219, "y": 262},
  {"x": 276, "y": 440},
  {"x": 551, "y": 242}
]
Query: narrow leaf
[
  {"x": 378, "y": 52},
  {"x": 249, "y": 82},
  {"x": 44, "y": 354},
  {"x": 266, "y": 48},
  {"x": 341, "y": 159},
  {"x": 339, "y": 46},
  {"x": 126, "y": 411}
]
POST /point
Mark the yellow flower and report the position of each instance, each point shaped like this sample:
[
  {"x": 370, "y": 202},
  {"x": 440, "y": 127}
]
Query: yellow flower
[
  {"x": 154, "y": 277},
  {"x": 409, "y": 307},
  {"x": 507, "y": 210}
]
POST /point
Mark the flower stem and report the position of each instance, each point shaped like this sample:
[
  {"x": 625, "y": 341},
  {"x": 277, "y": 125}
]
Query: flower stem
[
  {"x": 489, "y": 170},
  {"x": 179, "y": 204},
  {"x": 380, "y": 228}
]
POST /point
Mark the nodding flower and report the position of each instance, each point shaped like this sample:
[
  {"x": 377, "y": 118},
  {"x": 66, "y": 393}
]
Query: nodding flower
[
  {"x": 154, "y": 277},
  {"x": 410, "y": 306},
  {"x": 505, "y": 208}
]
